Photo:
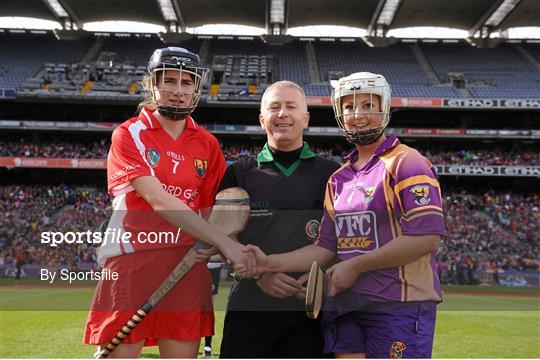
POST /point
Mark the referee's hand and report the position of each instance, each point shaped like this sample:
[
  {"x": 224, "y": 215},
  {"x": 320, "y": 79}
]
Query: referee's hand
[
  {"x": 279, "y": 285},
  {"x": 302, "y": 293}
]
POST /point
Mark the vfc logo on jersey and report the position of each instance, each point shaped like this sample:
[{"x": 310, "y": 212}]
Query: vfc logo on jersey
[
  {"x": 200, "y": 166},
  {"x": 152, "y": 156},
  {"x": 357, "y": 230},
  {"x": 421, "y": 194}
]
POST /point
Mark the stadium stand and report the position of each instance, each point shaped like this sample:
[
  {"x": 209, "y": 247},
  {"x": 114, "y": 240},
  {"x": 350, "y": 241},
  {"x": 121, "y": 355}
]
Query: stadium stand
[
  {"x": 477, "y": 239},
  {"x": 397, "y": 62},
  {"x": 56, "y": 149},
  {"x": 132, "y": 50},
  {"x": 534, "y": 50},
  {"x": 243, "y": 66},
  {"x": 30, "y": 210},
  {"x": 291, "y": 57},
  {"x": 500, "y": 72},
  {"x": 471, "y": 106},
  {"x": 23, "y": 55},
  {"x": 486, "y": 230},
  {"x": 470, "y": 154}
]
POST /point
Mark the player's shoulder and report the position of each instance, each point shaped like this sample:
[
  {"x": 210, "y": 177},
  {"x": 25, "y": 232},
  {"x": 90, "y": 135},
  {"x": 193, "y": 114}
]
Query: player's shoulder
[
  {"x": 409, "y": 152},
  {"x": 126, "y": 124},
  {"x": 123, "y": 130},
  {"x": 340, "y": 174},
  {"x": 403, "y": 161},
  {"x": 402, "y": 152},
  {"x": 201, "y": 131},
  {"x": 204, "y": 134},
  {"x": 402, "y": 155}
]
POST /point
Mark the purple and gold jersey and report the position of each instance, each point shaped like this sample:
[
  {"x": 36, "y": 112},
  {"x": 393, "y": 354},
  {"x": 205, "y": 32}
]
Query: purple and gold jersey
[{"x": 395, "y": 193}]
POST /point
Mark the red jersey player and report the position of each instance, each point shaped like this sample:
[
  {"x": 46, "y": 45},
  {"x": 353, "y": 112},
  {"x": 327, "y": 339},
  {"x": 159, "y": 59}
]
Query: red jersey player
[{"x": 162, "y": 170}]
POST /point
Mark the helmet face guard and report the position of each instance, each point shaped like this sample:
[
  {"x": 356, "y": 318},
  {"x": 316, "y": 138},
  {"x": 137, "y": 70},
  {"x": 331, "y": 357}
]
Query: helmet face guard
[
  {"x": 347, "y": 118},
  {"x": 176, "y": 72}
]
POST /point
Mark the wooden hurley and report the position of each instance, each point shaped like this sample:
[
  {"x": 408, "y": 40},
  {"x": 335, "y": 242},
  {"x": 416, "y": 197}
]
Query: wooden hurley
[{"x": 316, "y": 289}]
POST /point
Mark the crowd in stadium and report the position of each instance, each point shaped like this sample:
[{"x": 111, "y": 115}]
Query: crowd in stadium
[
  {"x": 489, "y": 231},
  {"x": 30, "y": 210},
  {"x": 483, "y": 157},
  {"x": 98, "y": 150},
  {"x": 55, "y": 149}
]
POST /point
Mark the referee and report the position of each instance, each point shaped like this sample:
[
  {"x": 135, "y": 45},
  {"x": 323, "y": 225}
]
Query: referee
[{"x": 286, "y": 182}]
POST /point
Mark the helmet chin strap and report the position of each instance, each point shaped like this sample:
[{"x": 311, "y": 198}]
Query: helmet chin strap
[
  {"x": 363, "y": 138},
  {"x": 173, "y": 113}
]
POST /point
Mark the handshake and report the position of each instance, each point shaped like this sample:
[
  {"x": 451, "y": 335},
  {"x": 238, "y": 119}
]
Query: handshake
[
  {"x": 269, "y": 278},
  {"x": 251, "y": 262}
]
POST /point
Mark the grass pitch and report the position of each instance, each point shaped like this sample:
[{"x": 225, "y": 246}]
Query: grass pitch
[{"x": 472, "y": 323}]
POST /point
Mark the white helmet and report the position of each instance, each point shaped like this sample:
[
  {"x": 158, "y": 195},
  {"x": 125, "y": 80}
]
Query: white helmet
[{"x": 362, "y": 83}]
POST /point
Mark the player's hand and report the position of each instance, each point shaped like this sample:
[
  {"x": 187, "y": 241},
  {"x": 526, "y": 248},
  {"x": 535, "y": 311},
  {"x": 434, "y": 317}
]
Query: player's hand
[
  {"x": 302, "y": 293},
  {"x": 243, "y": 262},
  {"x": 342, "y": 275},
  {"x": 260, "y": 257},
  {"x": 204, "y": 255},
  {"x": 279, "y": 285}
]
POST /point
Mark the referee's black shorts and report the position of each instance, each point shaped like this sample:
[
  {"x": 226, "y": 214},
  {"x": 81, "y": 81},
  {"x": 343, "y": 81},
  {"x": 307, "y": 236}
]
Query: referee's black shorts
[{"x": 271, "y": 334}]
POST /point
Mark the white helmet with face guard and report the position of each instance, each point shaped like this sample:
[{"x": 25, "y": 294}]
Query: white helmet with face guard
[
  {"x": 362, "y": 83},
  {"x": 183, "y": 61}
]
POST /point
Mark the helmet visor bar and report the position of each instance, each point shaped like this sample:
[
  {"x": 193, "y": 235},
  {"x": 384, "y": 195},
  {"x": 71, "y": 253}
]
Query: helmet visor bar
[
  {"x": 177, "y": 87},
  {"x": 359, "y": 110}
]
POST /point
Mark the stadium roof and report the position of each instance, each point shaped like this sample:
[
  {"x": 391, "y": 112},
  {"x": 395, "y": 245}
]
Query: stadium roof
[{"x": 378, "y": 16}]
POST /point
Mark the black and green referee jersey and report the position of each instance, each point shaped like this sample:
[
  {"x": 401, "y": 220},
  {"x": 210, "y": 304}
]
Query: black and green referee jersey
[{"x": 286, "y": 192}]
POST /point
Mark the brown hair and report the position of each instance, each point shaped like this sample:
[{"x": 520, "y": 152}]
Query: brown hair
[{"x": 148, "y": 100}]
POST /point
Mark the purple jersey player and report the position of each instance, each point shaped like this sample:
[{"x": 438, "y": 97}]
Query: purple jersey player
[{"x": 383, "y": 218}]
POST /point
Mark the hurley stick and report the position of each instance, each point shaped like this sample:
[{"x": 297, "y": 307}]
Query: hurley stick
[{"x": 230, "y": 212}]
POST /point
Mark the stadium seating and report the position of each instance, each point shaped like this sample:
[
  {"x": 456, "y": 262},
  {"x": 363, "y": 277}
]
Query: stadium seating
[
  {"x": 440, "y": 155},
  {"x": 23, "y": 55},
  {"x": 486, "y": 230},
  {"x": 31, "y": 209},
  {"x": 40, "y": 64},
  {"x": 131, "y": 50},
  {"x": 534, "y": 50},
  {"x": 501, "y": 72},
  {"x": 397, "y": 63},
  {"x": 291, "y": 57}
]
